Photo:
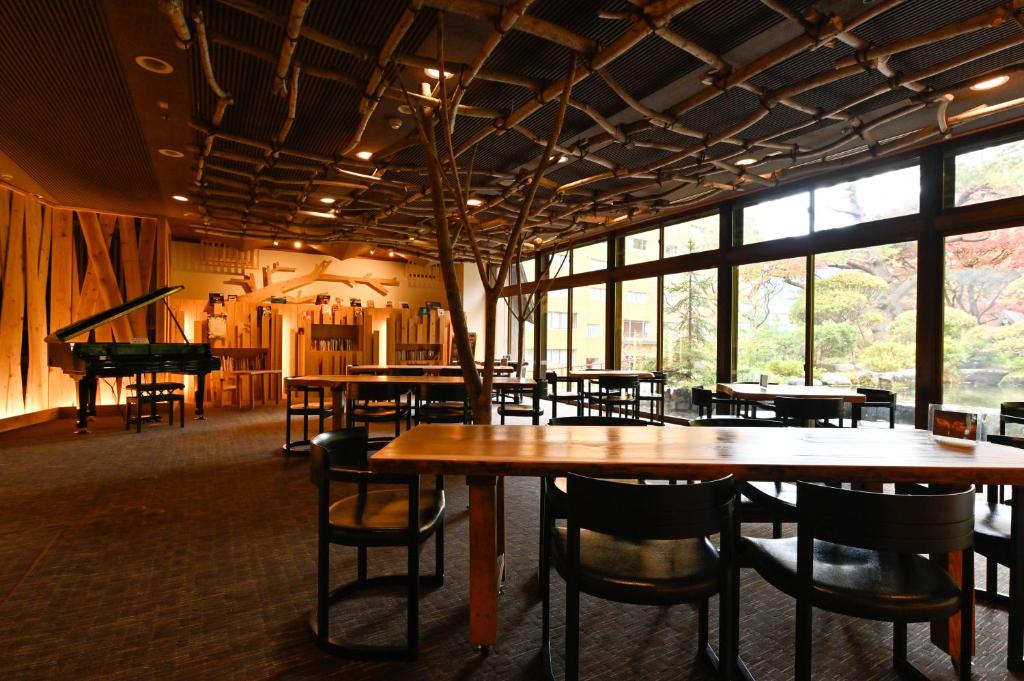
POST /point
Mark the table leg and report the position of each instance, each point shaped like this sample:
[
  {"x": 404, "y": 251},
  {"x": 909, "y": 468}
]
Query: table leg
[
  {"x": 1015, "y": 649},
  {"x": 485, "y": 560},
  {"x": 337, "y": 410}
]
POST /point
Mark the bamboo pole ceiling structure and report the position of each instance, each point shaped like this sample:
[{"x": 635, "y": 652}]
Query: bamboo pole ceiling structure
[{"x": 671, "y": 103}]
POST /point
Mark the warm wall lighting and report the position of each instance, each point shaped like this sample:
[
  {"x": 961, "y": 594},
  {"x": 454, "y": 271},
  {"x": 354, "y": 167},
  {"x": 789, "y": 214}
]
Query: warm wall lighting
[
  {"x": 474, "y": 202},
  {"x": 391, "y": 253},
  {"x": 179, "y": 197},
  {"x": 372, "y": 250},
  {"x": 328, "y": 200},
  {"x": 991, "y": 83},
  {"x": 153, "y": 64},
  {"x": 276, "y": 242},
  {"x": 297, "y": 244},
  {"x": 436, "y": 74},
  {"x": 318, "y": 214},
  {"x": 171, "y": 153},
  {"x": 364, "y": 155},
  {"x": 746, "y": 161}
]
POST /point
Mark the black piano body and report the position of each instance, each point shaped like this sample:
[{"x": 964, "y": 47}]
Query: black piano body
[{"x": 88, "y": 362}]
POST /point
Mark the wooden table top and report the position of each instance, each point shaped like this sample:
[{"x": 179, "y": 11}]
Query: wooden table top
[
  {"x": 599, "y": 373},
  {"x": 338, "y": 380},
  {"x": 370, "y": 368},
  {"x": 818, "y": 454},
  {"x": 753, "y": 391}
]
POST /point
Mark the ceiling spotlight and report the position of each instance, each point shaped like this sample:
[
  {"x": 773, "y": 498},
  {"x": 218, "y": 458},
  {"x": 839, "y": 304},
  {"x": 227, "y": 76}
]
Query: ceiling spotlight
[
  {"x": 153, "y": 64},
  {"x": 171, "y": 153},
  {"x": 394, "y": 123},
  {"x": 328, "y": 200},
  {"x": 990, "y": 83},
  {"x": 319, "y": 214},
  {"x": 558, "y": 159},
  {"x": 391, "y": 253},
  {"x": 746, "y": 161},
  {"x": 297, "y": 244},
  {"x": 179, "y": 197},
  {"x": 405, "y": 109},
  {"x": 436, "y": 75},
  {"x": 474, "y": 202},
  {"x": 364, "y": 155}
]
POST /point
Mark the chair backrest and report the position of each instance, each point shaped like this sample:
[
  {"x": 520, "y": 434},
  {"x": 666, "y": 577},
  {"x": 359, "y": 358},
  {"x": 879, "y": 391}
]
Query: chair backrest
[
  {"x": 450, "y": 371},
  {"x": 384, "y": 392},
  {"x": 1008, "y": 440},
  {"x": 878, "y": 395},
  {"x": 344, "y": 449},
  {"x": 595, "y": 421},
  {"x": 551, "y": 376},
  {"x": 735, "y": 422},
  {"x": 638, "y": 512},
  {"x": 808, "y": 408},
  {"x": 701, "y": 396},
  {"x": 921, "y": 522},
  {"x": 619, "y": 382},
  {"x": 443, "y": 392},
  {"x": 1012, "y": 409},
  {"x": 408, "y": 371}
]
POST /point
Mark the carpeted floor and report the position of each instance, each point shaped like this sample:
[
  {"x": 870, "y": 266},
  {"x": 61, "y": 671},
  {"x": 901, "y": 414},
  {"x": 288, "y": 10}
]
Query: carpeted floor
[{"x": 189, "y": 554}]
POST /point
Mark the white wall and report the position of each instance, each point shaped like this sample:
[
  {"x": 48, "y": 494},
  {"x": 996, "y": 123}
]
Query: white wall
[{"x": 473, "y": 299}]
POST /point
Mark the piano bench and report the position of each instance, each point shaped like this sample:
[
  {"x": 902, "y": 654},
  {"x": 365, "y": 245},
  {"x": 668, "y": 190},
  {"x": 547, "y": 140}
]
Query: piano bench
[{"x": 152, "y": 394}]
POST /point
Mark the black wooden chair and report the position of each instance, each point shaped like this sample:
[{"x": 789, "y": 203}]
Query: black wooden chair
[
  {"x": 617, "y": 394},
  {"x": 379, "y": 403},
  {"x": 705, "y": 401},
  {"x": 442, "y": 403},
  {"x": 571, "y": 394},
  {"x": 305, "y": 402},
  {"x": 654, "y": 395},
  {"x": 875, "y": 399},
  {"x": 645, "y": 545},
  {"x": 511, "y": 404},
  {"x": 1010, "y": 412},
  {"x": 993, "y": 539},
  {"x": 369, "y": 517},
  {"x": 856, "y": 554},
  {"x": 816, "y": 411},
  {"x": 735, "y": 422}
]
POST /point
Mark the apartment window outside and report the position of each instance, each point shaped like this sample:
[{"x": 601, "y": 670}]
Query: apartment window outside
[
  {"x": 589, "y": 258},
  {"x": 638, "y": 297},
  {"x": 597, "y": 293},
  {"x": 587, "y": 350},
  {"x": 692, "y": 236},
  {"x": 593, "y": 331},
  {"x": 558, "y": 321},
  {"x": 642, "y": 247},
  {"x": 634, "y": 329}
]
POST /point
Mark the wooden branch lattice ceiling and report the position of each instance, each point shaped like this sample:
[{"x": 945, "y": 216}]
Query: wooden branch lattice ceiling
[{"x": 666, "y": 97}]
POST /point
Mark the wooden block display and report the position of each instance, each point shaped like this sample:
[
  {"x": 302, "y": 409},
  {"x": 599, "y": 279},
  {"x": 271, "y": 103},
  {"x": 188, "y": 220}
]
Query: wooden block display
[{"x": 415, "y": 339}]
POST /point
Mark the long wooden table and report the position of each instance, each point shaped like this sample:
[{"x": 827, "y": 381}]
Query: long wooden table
[
  {"x": 486, "y": 453},
  {"x": 339, "y": 383},
  {"x": 604, "y": 373},
  {"x": 499, "y": 369},
  {"x": 754, "y": 392}
]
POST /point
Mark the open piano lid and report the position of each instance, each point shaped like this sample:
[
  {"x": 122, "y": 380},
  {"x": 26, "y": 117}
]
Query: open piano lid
[{"x": 90, "y": 323}]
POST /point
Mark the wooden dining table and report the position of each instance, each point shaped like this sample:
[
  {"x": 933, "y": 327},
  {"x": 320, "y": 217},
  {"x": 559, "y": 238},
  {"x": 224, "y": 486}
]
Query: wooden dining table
[
  {"x": 338, "y": 384},
  {"x": 499, "y": 369},
  {"x": 754, "y": 392},
  {"x": 604, "y": 373},
  {"x": 484, "y": 454}
]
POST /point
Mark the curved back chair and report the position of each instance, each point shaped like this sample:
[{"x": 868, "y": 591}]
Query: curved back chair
[
  {"x": 875, "y": 398},
  {"x": 620, "y": 393},
  {"x": 645, "y": 545},
  {"x": 442, "y": 403},
  {"x": 572, "y": 393},
  {"x": 1010, "y": 412},
  {"x": 799, "y": 411},
  {"x": 857, "y": 554},
  {"x": 400, "y": 515},
  {"x": 705, "y": 400},
  {"x": 379, "y": 403},
  {"x": 655, "y": 395}
]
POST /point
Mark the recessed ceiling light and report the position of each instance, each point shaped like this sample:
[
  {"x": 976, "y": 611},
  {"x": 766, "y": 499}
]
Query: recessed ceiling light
[
  {"x": 991, "y": 83},
  {"x": 171, "y": 153},
  {"x": 746, "y": 161},
  {"x": 405, "y": 109},
  {"x": 436, "y": 74},
  {"x": 179, "y": 197},
  {"x": 319, "y": 214},
  {"x": 297, "y": 244},
  {"x": 364, "y": 155},
  {"x": 558, "y": 159},
  {"x": 474, "y": 202},
  {"x": 327, "y": 199},
  {"x": 412, "y": 238},
  {"x": 154, "y": 64}
]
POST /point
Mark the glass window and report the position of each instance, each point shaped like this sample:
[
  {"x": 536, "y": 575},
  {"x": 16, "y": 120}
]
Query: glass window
[
  {"x": 770, "y": 323},
  {"x": 984, "y": 318},
  {"x": 559, "y": 265},
  {"x": 692, "y": 236},
  {"x": 639, "y": 343},
  {"x": 865, "y": 303},
  {"x": 558, "y": 321},
  {"x": 641, "y": 247},
  {"x": 688, "y": 355},
  {"x": 989, "y": 174},
  {"x": 588, "y": 349},
  {"x": 590, "y": 258},
  {"x": 777, "y": 219},
  {"x": 887, "y": 195},
  {"x": 526, "y": 269},
  {"x": 556, "y": 338}
]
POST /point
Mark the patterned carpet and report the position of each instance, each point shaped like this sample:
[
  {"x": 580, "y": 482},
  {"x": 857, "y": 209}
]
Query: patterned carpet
[{"x": 189, "y": 554}]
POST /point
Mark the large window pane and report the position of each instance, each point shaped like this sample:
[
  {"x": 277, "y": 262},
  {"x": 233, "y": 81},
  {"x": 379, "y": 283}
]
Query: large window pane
[
  {"x": 690, "y": 335},
  {"x": 559, "y": 265},
  {"x": 886, "y": 195},
  {"x": 526, "y": 271},
  {"x": 639, "y": 347},
  {"x": 984, "y": 317},
  {"x": 989, "y": 174},
  {"x": 589, "y": 328},
  {"x": 777, "y": 219},
  {"x": 641, "y": 247},
  {"x": 590, "y": 258},
  {"x": 557, "y": 333},
  {"x": 770, "y": 326},
  {"x": 865, "y": 303},
  {"x": 691, "y": 236}
]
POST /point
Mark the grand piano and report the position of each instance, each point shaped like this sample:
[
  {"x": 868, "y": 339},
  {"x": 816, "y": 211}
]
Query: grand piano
[{"x": 87, "y": 362}]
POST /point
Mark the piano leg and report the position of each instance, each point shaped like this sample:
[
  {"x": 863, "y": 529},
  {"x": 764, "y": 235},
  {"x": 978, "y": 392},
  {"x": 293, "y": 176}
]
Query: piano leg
[
  {"x": 93, "y": 382},
  {"x": 82, "y": 425},
  {"x": 200, "y": 392}
]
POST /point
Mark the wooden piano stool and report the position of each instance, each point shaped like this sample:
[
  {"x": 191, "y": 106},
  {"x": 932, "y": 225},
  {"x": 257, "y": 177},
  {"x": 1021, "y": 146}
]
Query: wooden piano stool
[{"x": 152, "y": 394}]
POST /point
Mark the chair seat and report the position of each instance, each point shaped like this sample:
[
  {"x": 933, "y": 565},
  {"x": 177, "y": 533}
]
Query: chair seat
[
  {"x": 371, "y": 412},
  {"x": 858, "y": 582},
  {"x": 313, "y": 407},
  {"x": 380, "y": 517},
  {"x": 992, "y": 531},
  {"x": 658, "y": 572},
  {"x": 518, "y": 410}
]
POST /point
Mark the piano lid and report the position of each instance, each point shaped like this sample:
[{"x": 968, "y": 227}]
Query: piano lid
[{"x": 90, "y": 323}]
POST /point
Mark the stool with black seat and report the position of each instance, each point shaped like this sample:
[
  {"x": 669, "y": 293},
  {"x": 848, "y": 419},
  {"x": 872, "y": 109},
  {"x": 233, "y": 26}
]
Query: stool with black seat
[
  {"x": 572, "y": 394},
  {"x": 379, "y": 403},
  {"x": 617, "y": 394},
  {"x": 705, "y": 400},
  {"x": 151, "y": 394},
  {"x": 857, "y": 554},
  {"x": 304, "y": 401},
  {"x": 442, "y": 403},
  {"x": 761, "y": 502},
  {"x": 645, "y": 545},
  {"x": 552, "y": 490},
  {"x": 515, "y": 407},
  {"x": 875, "y": 398},
  {"x": 993, "y": 539},
  {"x": 655, "y": 396},
  {"x": 1010, "y": 412},
  {"x": 407, "y": 516}
]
